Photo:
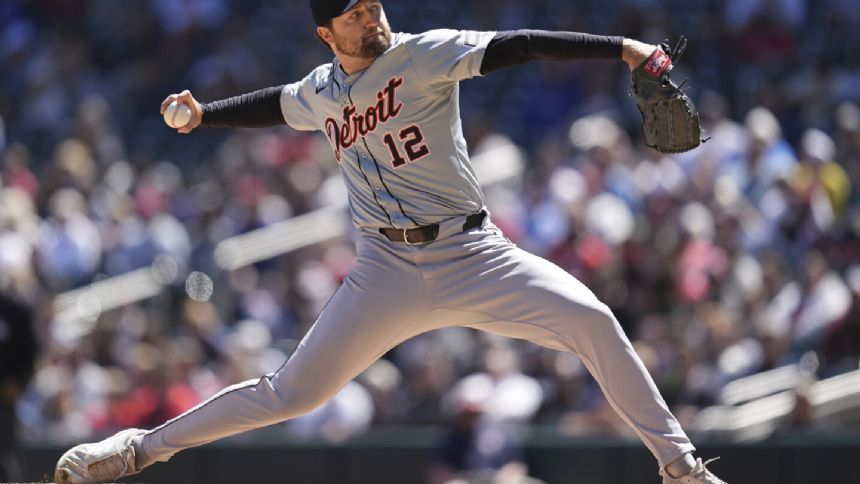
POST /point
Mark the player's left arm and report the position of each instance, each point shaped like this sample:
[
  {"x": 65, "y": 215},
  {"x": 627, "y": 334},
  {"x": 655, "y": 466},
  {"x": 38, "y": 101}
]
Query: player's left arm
[
  {"x": 514, "y": 47},
  {"x": 257, "y": 109}
]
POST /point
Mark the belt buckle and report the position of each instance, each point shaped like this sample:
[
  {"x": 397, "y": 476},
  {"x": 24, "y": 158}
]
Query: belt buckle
[{"x": 406, "y": 237}]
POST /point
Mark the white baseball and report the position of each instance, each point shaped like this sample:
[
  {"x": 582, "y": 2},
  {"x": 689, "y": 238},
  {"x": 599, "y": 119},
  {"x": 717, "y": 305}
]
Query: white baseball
[{"x": 177, "y": 115}]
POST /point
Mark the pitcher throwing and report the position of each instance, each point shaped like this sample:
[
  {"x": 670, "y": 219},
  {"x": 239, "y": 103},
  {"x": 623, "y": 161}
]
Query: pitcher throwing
[{"x": 428, "y": 254}]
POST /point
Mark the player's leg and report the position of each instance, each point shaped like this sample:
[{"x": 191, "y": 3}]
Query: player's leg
[
  {"x": 379, "y": 305},
  {"x": 503, "y": 289}
]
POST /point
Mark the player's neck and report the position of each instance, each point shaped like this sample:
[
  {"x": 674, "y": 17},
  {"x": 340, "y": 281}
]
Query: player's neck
[{"x": 351, "y": 65}]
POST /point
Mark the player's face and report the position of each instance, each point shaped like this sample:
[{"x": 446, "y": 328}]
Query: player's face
[{"x": 363, "y": 31}]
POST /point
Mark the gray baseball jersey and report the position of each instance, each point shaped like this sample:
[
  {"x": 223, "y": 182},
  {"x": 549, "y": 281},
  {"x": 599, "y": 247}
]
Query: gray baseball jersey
[{"x": 395, "y": 127}]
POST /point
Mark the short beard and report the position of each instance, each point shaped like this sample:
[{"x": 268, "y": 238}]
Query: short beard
[{"x": 369, "y": 49}]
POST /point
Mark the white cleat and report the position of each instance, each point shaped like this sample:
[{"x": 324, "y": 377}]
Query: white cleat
[
  {"x": 699, "y": 475},
  {"x": 104, "y": 461}
]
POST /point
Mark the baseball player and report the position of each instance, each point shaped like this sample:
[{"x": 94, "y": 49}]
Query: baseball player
[{"x": 428, "y": 254}]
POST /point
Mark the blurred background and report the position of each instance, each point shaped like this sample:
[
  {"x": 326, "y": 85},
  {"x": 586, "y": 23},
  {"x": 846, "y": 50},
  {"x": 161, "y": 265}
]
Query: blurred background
[{"x": 142, "y": 270}]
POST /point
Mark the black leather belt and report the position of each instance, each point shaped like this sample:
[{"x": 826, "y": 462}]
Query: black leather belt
[{"x": 428, "y": 233}]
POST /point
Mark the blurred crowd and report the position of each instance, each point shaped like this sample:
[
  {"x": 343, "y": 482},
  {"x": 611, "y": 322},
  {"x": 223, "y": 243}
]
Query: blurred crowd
[{"x": 740, "y": 256}]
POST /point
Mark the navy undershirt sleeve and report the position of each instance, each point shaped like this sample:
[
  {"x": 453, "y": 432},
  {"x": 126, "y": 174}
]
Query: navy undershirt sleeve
[
  {"x": 513, "y": 47},
  {"x": 258, "y": 109}
]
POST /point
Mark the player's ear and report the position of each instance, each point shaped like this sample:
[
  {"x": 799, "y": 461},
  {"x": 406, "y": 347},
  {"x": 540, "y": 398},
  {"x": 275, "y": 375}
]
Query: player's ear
[{"x": 325, "y": 34}]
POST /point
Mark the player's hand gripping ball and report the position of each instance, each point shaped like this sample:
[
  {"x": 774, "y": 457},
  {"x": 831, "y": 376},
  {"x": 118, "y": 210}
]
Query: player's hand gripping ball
[{"x": 177, "y": 115}]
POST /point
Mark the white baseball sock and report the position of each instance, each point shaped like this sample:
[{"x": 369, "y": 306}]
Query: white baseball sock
[{"x": 681, "y": 466}]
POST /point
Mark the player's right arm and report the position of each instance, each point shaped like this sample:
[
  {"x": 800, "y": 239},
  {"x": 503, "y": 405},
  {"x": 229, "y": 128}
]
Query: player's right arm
[{"x": 274, "y": 106}]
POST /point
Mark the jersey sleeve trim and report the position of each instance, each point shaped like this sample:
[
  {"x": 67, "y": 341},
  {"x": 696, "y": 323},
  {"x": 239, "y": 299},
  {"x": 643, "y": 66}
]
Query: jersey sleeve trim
[
  {"x": 481, "y": 47},
  {"x": 297, "y": 100},
  {"x": 444, "y": 56}
]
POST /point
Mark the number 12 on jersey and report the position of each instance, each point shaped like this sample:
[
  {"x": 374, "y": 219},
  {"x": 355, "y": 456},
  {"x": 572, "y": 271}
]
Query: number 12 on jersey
[{"x": 413, "y": 145}]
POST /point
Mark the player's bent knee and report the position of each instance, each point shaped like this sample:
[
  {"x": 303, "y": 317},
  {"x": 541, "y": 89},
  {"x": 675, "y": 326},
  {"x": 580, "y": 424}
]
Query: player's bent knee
[
  {"x": 295, "y": 401},
  {"x": 608, "y": 319},
  {"x": 599, "y": 321},
  {"x": 604, "y": 314},
  {"x": 297, "y": 406}
]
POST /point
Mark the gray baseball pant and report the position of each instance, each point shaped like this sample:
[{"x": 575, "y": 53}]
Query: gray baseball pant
[{"x": 396, "y": 291}]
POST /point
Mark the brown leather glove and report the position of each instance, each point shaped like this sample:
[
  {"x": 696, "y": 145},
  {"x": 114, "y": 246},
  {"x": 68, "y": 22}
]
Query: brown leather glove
[{"x": 669, "y": 118}]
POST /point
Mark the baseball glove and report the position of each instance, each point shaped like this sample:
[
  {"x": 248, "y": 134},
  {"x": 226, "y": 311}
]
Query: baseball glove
[{"x": 669, "y": 118}]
